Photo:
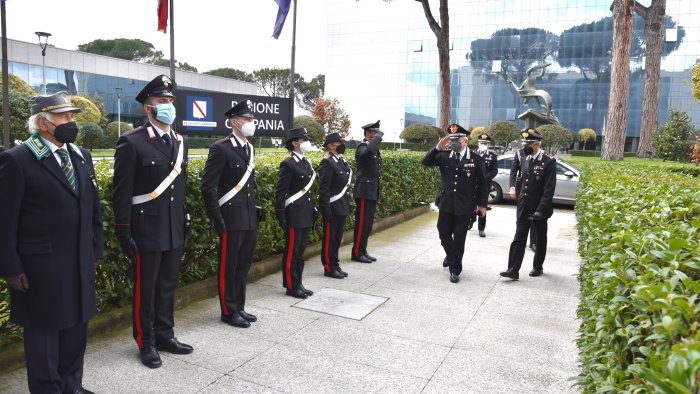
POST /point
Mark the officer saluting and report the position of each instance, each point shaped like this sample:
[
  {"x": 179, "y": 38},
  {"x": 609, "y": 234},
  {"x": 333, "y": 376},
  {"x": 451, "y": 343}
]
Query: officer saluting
[
  {"x": 532, "y": 180},
  {"x": 294, "y": 206},
  {"x": 51, "y": 238},
  {"x": 463, "y": 192},
  {"x": 336, "y": 175},
  {"x": 150, "y": 171},
  {"x": 368, "y": 160},
  {"x": 228, "y": 186},
  {"x": 491, "y": 164}
]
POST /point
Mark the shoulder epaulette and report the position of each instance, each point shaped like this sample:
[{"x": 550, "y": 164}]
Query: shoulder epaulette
[{"x": 134, "y": 131}]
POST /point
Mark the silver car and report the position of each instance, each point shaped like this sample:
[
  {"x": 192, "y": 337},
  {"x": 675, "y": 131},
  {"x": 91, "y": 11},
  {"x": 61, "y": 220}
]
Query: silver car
[{"x": 567, "y": 181}]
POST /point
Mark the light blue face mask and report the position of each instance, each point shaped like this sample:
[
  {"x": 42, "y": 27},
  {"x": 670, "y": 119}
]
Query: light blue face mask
[{"x": 165, "y": 113}]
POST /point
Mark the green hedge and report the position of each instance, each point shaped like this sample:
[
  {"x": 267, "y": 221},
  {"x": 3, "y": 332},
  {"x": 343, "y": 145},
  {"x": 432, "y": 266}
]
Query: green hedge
[
  {"x": 596, "y": 153},
  {"x": 406, "y": 184},
  {"x": 639, "y": 242}
]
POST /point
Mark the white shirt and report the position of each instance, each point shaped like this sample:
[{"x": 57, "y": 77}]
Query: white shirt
[
  {"x": 54, "y": 150},
  {"x": 160, "y": 132},
  {"x": 241, "y": 144},
  {"x": 299, "y": 156}
]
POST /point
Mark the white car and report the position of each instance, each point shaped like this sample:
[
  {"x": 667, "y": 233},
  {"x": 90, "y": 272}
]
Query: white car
[{"x": 567, "y": 182}]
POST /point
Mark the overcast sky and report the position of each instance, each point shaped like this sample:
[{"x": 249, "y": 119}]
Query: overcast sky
[{"x": 209, "y": 34}]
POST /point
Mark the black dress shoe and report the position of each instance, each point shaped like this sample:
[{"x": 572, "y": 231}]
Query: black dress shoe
[
  {"x": 305, "y": 290},
  {"x": 510, "y": 274},
  {"x": 445, "y": 262},
  {"x": 296, "y": 293},
  {"x": 83, "y": 390},
  {"x": 361, "y": 259},
  {"x": 532, "y": 246},
  {"x": 334, "y": 274},
  {"x": 342, "y": 272},
  {"x": 150, "y": 357},
  {"x": 372, "y": 259},
  {"x": 536, "y": 272},
  {"x": 454, "y": 278},
  {"x": 235, "y": 320},
  {"x": 172, "y": 345},
  {"x": 482, "y": 234},
  {"x": 248, "y": 316}
]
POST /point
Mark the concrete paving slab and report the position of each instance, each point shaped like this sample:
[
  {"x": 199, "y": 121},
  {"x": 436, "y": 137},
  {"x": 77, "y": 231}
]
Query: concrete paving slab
[
  {"x": 342, "y": 303},
  {"x": 228, "y": 384}
]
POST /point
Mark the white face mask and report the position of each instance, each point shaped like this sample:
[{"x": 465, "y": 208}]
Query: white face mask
[
  {"x": 305, "y": 146},
  {"x": 483, "y": 147},
  {"x": 248, "y": 129}
]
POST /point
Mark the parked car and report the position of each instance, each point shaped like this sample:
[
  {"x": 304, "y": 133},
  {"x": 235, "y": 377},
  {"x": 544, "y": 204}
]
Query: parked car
[{"x": 567, "y": 181}]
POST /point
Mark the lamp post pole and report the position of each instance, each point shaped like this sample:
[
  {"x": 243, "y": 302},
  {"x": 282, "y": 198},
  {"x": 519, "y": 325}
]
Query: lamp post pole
[
  {"x": 43, "y": 47},
  {"x": 119, "y": 111}
]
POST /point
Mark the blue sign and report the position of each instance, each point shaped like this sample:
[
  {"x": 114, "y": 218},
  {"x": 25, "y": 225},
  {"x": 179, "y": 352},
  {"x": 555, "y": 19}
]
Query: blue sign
[{"x": 199, "y": 113}]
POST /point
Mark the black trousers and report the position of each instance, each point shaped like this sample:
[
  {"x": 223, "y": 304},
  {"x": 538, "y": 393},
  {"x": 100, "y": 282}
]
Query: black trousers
[
  {"x": 452, "y": 230},
  {"x": 235, "y": 257},
  {"x": 292, "y": 261},
  {"x": 332, "y": 238},
  {"x": 364, "y": 219},
  {"x": 155, "y": 279},
  {"x": 517, "y": 247},
  {"x": 55, "y": 358}
]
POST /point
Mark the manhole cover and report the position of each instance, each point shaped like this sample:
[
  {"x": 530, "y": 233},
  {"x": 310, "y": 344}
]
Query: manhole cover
[{"x": 342, "y": 303}]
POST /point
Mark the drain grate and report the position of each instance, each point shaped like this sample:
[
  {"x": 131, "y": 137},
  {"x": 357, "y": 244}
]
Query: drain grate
[{"x": 342, "y": 303}]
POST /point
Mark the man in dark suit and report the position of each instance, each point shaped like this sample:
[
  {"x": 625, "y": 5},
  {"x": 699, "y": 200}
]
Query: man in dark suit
[
  {"x": 368, "y": 161},
  {"x": 463, "y": 193},
  {"x": 491, "y": 164},
  {"x": 335, "y": 177},
  {"x": 51, "y": 238},
  {"x": 295, "y": 210},
  {"x": 228, "y": 186},
  {"x": 150, "y": 171},
  {"x": 533, "y": 179}
]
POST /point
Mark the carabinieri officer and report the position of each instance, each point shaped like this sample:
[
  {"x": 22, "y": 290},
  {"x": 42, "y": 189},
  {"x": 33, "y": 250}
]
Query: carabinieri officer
[
  {"x": 491, "y": 164},
  {"x": 295, "y": 209},
  {"x": 228, "y": 186},
  {"x": 368, "y": 160},
  {"x": 150, "y": 171},
  {"x": 533, "y": 179},
  {"x": 334, "y": 202}
]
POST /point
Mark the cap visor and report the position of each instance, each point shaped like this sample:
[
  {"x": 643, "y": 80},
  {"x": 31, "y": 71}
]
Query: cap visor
[{"x": 65, "y": 109}]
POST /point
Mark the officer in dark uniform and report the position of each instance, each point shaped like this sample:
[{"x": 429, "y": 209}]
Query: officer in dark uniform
[
  {"x": 335, "y": 175},
  {"x": 491, "y": 164},
  {"x": 532, "y": 181},
  {"x": 150, "y": 171},
  {"x": 368, "y": 160},
  {"x": 295, "y": 209},
  {"x": 51, "y": 238},
  {"x": 463, "y": 192},
  {"x": 228, "y": 186}
]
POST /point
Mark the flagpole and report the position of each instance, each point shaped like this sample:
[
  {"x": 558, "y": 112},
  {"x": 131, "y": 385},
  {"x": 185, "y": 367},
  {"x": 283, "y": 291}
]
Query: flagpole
[
  {"x": 172, "y": 42},
  {"x": 5, "y": 83},
  {"x": 291, "y": 71}
]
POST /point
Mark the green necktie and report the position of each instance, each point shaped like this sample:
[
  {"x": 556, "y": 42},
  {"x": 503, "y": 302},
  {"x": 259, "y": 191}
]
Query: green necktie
[{"x": 67, "y": 168}]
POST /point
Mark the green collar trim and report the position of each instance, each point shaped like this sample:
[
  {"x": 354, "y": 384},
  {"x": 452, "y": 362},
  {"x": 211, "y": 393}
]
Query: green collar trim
[{"x": 38, "y": 147}]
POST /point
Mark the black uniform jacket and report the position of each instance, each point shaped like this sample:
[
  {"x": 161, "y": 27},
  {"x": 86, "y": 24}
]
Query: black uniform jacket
[
  {"x": 141, "y": 163},
  {"x": 334, "y": 173},
  {"x": 52, "y": 234},
  {"x": 225, "y": 167},
  {"x": 535, "y": 186},
  {"x": 295, "y": 175},
  {"x": 368, "y": 161},
  {"x": 491, "y": 164},
  {"x": 463, "y": 185}
]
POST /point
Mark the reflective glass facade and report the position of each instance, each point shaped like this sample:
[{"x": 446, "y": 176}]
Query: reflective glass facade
[{"x": 494, "y": 42}]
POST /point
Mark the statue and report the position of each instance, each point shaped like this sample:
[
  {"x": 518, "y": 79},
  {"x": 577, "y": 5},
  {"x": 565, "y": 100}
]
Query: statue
[{"x": 527, "y": 91}]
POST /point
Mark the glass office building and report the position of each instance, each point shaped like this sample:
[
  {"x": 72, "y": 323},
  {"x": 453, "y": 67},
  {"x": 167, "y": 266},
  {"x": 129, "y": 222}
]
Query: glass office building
[
  {"x": 85, "y": 73},
  {"x": 493, "y": 44}
]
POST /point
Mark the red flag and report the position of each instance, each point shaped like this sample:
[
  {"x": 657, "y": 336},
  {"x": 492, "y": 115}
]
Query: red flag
[{"x": 163, "y": 15}]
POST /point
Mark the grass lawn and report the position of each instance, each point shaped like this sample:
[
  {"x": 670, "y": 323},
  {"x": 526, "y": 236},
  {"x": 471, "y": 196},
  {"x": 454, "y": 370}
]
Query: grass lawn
[{"x": 579, "y": 161}]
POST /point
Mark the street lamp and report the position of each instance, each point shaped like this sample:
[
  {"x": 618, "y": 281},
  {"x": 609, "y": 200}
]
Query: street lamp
[
  {"x": 119, "y": 111},
  {"x": 45, "y": 36}
]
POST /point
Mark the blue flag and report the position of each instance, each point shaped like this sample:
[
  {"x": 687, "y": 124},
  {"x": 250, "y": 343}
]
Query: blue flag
[{"x": 281, "y": 17}]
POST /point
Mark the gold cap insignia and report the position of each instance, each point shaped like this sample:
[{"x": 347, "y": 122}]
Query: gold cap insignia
[
  {"x": 453, "y": 128},
  {"x": 525, "y": 134}
]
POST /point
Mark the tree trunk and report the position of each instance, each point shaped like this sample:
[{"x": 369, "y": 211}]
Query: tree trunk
[
  {"x": 616, "y": 123},
  {"x": 653, "y": 36},
  {"x": 442, "y": 33}
]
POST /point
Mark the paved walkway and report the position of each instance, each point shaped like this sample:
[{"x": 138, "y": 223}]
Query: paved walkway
[{"x": 481, "y": 335}]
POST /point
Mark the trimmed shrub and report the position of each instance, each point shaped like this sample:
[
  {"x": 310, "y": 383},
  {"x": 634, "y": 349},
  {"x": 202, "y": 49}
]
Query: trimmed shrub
[
  {"x": 89, "y": 135},
  {"x": 406, "y": 184},
  {"x": 639, "y": 243},
  {"x": 675, "y": 138},
  {"x": 421, "y": 134},
  {"x": 504, "y": 132},
  {"x": 596, "y": 153},
  {"x": 90, "y": 114},
  {"x": 315, "y": 129},
  {"x": 555, "y": 138},
  {"x": 19, "y": 114}
]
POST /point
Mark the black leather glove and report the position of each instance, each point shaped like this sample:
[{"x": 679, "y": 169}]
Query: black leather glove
[
  {"x": 129, "y": 246},
  {"x": 220, "y": 224},
  {"x": 537, "y": 216},
  {"x": 326, "y": 213},
  {"x": 259, "y": 213},
  {"x": 19, "y": 282},
  {"x": 282, "y": 219}
]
